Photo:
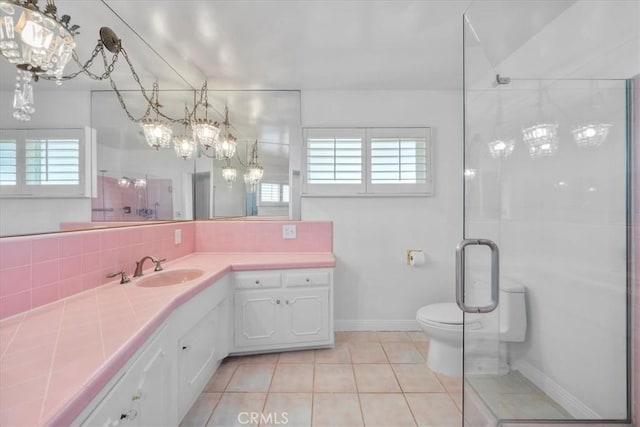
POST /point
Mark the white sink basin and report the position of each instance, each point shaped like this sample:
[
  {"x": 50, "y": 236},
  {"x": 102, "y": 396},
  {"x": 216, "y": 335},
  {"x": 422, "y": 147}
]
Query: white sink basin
[{"x": 170, "y": 278}]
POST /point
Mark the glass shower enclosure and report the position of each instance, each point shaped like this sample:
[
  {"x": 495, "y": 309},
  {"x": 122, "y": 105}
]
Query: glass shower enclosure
[{"x": 542, "y": 272}]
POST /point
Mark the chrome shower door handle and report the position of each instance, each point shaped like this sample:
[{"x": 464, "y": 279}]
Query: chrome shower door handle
[{"x": 460, "y": 276}]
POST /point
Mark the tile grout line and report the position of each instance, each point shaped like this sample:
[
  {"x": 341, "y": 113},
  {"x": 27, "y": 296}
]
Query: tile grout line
[
  {"x": 53, "y": 358},
  {"x": 13, "y": 336}
]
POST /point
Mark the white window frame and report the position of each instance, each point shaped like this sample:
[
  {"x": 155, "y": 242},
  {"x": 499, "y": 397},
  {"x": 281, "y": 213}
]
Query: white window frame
[
  {"x": 366, "y": 188},
  {"x": 24, "y": 190}
]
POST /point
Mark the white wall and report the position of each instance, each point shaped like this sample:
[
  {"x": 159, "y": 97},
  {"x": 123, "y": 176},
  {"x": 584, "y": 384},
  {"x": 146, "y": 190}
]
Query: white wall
[
  {"x": 374, "y": 288},
  {"x": 54, "y": 109}
]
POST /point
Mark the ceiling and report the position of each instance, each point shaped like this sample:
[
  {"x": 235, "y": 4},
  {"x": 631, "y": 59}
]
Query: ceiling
[{"x": 331, "y": 44}]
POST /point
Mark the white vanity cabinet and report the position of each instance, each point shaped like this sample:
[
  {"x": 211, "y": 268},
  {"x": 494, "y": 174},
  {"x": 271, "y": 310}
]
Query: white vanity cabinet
[
  {"x": 201, "y": 328},
  {"x": 142, "y": 396},
  {"x": 282, "y": 309}
]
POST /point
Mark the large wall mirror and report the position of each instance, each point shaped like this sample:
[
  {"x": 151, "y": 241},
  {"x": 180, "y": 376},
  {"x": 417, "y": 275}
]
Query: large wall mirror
[{"x": 127, "y": 182}]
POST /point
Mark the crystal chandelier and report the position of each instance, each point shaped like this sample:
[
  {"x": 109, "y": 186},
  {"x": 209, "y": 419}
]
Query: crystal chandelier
[
  {"x": 226, "y": 144},
  {"x": 38, "y": 43},
  {"x": 205, "y": 131},
  {"x": 254, "y": 173},
  {"x": 591, "y": 135},
  {"x": 184, "y": 145},
  {"x": 229, "y": 173},
  {"x": 157, "y": 132}
]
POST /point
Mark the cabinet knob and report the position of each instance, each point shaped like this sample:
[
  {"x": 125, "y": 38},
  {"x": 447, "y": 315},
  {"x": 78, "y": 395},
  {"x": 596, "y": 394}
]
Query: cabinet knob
[
  {"x": 277, "y": 301},
  {"x": 287, "y": 301},
  {"x": 307, "y": 280},
  {"x": 257, "y": 282},
  {"x": 129, "y": 415},
  {"x": 186, "y": 347}
]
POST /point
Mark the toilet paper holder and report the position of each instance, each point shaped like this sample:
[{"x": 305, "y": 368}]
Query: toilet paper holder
[{"x": 410, "y": 254}]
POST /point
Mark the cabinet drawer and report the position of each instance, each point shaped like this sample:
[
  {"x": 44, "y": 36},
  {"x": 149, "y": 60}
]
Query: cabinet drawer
[
  {"x": 307, "y": 278},
  {"x": 253, "y": 280}
]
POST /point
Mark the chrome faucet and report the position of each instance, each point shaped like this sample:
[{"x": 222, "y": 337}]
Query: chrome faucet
[{"x": 140, "y": 264}]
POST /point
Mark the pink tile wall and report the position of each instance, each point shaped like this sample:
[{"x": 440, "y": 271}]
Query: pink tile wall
[
  {"x": 36, "y": 270},
  {"x": 263, "y": 236}
]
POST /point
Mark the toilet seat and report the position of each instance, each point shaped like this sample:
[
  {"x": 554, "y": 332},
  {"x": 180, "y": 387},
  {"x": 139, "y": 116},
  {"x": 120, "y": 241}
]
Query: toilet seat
[{"x": 446, "y": 315}]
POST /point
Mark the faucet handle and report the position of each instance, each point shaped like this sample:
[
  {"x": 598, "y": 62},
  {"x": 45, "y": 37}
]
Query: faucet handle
[
  {"x": 158, "y": 266},
  {"x": 124, "y": 278}
]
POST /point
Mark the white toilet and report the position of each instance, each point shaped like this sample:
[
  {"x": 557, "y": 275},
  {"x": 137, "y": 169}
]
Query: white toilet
[{"x": 442, "y": 323}]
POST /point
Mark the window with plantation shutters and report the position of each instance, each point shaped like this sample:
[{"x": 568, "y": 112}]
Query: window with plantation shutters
[
  {"x": 52, "y": 162},
  {"x": 367, "y": 161},
  {"x": 274, "y": 194},
  {"x": 399, "y": 161},
  {"x": 42, "y": 163},
  {"x": 8, "y": 171}
]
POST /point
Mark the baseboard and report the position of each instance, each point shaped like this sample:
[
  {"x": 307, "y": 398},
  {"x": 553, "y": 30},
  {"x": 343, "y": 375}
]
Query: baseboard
[
  {"x": 555, "y": 391},
  {"x": 375, "y": 325}
]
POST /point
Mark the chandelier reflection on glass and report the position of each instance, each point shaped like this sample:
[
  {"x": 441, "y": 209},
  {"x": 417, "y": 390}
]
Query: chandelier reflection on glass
[
  {"x": 255, "y": 172},
  {"x": 229, "y": 173},
  {"x": 541, "y": 138},
  {"x": 226, "y": 144},
  {"x": 157, "y": 132},
  {"x": 205, "y": 131},
  {"x": 184, "y": 145},
  {"x": 591, "y": 135},
  {"x": 500, "y": 147}
]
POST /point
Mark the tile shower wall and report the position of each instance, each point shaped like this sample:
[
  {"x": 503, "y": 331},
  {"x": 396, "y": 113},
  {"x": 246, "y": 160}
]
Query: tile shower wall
[
  {"x": 116, "y": 203},
  {"x": 36, "y": 270},
  {"x": 263, "y": 236}
]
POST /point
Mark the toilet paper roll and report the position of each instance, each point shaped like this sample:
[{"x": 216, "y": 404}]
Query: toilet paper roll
[{"x": 417, "y": 258}]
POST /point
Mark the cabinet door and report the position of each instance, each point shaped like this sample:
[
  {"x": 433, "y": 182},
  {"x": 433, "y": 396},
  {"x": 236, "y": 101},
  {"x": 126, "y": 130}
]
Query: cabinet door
[
  {"x": 306, "y": 315},
  {"x": 197, "y": 359},
  {"x": 257, "y": 318},
  {"x": 143, "y": 396}
]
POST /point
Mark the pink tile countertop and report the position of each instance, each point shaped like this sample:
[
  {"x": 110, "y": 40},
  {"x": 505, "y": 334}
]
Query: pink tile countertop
[{"x": 56, "y": 358}]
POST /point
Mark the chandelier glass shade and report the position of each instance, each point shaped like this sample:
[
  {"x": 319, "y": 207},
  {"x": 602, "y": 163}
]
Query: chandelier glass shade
[
  {"x": 542, "y": 140},
  {"x": 255, "y": 172},
  {"x": 37, "y": 43},
  {"x": 205, "y": 132},
  {"x": 157, "y": 133},
  {"x": 226, "y": 147},
  {"x": 591, "y": 135},
  {"x": 501, "y": 148},
  {"x": 229, "y": 173},
  {"x": 184, "y": 146},
  {"x": 35, "y": 40}
]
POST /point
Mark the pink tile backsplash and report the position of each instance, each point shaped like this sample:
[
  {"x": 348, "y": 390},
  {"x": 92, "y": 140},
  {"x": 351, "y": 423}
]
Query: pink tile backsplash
[
  {"x": 36, "y": 270},
  {"x": 263, "y": 236}
]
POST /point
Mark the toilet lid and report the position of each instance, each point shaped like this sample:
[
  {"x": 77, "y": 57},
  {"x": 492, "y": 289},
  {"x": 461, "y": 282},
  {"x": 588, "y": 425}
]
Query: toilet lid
[{"x": 445, "y": 312}]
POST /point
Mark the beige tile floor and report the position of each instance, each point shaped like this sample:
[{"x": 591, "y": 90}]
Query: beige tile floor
[{"x": 369, "y": 378}]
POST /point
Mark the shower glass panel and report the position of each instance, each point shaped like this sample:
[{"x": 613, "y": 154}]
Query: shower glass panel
[{"x": 545, "y": 161}]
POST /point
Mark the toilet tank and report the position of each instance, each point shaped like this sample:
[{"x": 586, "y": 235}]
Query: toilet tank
[{"x": 513, "y": 312}]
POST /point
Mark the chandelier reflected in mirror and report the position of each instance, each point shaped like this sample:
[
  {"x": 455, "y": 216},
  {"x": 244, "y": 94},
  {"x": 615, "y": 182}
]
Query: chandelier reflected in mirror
[
  {"x": 541, "y": 138},
  {"x": 157, "y": 132},
  {"x": 226, "y": 144},
  {"x": 500, "y": 147},
  {"x": 255, "y": 171},
  {"x": 229, "y": 173},
  {"x": 205, "y": 130}
]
